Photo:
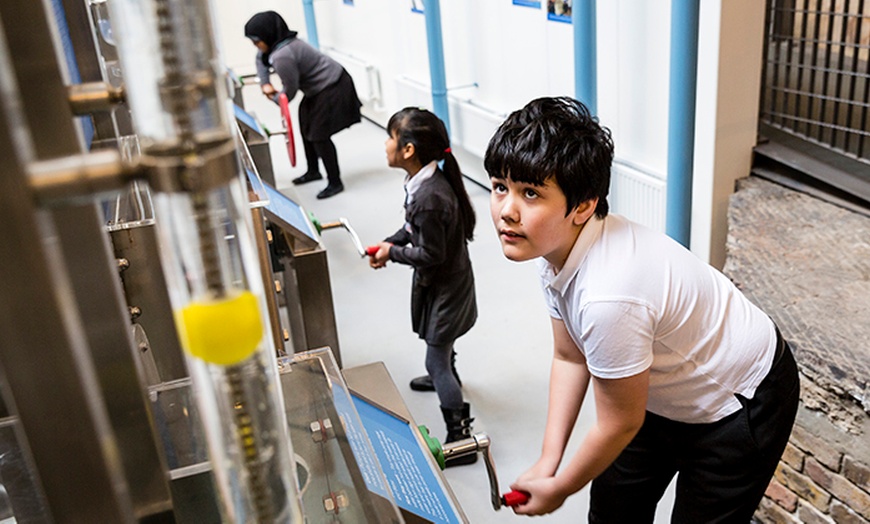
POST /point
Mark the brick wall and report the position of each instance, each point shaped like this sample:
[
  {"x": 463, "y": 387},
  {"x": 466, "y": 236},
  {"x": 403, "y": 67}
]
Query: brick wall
[
  {"x": 807, "y": 264},
  {"x": 819, "y": 480}
]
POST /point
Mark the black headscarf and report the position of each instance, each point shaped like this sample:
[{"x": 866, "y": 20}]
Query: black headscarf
[{"x": 268, "y": 27}]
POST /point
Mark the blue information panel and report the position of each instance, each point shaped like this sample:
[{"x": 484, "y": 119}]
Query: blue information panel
[
  {"x": 356, "y": 436},
  {"x": 246, "y": 118},
  {"x": 415, "y": 486},
  {"x": 289, "y": 211}
]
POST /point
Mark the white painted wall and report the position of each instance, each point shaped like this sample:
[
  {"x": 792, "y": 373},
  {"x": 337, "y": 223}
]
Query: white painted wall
[
  {"x": 498, "y": 56},
  {"x": 729, "y": 83}
]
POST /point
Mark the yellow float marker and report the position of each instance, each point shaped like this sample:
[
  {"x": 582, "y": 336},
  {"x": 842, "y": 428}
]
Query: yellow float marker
[{"x": 225, "y": 331}]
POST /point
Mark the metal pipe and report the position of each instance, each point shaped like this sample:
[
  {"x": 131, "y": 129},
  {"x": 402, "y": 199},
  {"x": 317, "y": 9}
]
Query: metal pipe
[
  {"x": 585, "y": 50},
  {"x": 435, "y": 44},
  {"x": 87, "y": 98},
  {"x": 81, "y": 176},
  {"x": 311, "y": 23},
  {"x": 681, "y": 118}
]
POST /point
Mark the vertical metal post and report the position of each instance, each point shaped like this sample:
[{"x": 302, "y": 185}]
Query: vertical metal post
[
  {"x": 435, "y": 44},
  {"x": 81, "y": 406},
  {"x": 311, "y": 23},
  {"x": 42, "y": 339},
  {"x": 681, "y": 118},
  {"x": 585, "y": 51},
  {"x": 853, "y": 78},
  {"x": 813, "y": 61}
]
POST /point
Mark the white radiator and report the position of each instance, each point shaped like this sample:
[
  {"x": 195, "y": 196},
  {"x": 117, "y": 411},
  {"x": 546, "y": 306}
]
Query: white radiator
[
  {"x": 635, "y": 192},
  {"x": 471, "y": 124},
  {"x": 366, "y": 77},
  {"x": 638, "y": 195}
]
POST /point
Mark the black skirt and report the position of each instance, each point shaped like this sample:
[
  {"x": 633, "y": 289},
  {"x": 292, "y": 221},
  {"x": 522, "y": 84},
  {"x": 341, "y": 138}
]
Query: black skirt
[
  {"x": 329, "y": 111},
  {"x": 444, "y": 310}
]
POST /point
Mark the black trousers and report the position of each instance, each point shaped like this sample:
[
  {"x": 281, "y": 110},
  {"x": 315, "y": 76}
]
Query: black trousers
[{"x": 722, "y": 468}]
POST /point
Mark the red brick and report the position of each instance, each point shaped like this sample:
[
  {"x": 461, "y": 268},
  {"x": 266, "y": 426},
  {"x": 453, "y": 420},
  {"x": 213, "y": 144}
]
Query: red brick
[
  {"x": 782, "y": 496},
  {"x": 857, "y": 472},
  {"x": 857, "y": 499},
  {"x": 793, "y": 457},
  {"x": 819, "y": 448},
  {"x": 803, "y": 486},
  {"x": 843, "y": 515},
  {"x": 770, "y": 513},
  {"x": 816, "y": 471},
  {"x": 810, "y": 515}
]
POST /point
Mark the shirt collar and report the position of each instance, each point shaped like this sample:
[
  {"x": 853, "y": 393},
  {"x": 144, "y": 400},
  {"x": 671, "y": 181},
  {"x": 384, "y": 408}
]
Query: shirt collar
[
  {"x": 559, "y": 281},
  {"x": 413, "y": 183}
]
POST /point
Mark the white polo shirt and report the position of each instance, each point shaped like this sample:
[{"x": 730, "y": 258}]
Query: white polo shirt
[{"x": 633, "y": 298}]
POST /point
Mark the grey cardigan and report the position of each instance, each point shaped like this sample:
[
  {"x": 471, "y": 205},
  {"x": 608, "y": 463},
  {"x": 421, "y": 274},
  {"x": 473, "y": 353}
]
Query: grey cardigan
[{"x": 300, "y": 68}]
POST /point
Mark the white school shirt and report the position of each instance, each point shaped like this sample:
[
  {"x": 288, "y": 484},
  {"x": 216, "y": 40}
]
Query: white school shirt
[
  {"x": 633, "y": 298},
  {"x": 413, "y": 183}
]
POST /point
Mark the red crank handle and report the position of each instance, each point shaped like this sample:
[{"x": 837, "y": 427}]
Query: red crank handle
[{"x": 514, "y": 498}]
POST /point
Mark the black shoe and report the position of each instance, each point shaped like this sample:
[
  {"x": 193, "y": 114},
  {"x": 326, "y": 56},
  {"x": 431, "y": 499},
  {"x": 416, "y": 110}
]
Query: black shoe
[
  {"x": 307, "y": 177},
  {"x": 331, "y": 190},
  {"x": 423, "y": 383}
]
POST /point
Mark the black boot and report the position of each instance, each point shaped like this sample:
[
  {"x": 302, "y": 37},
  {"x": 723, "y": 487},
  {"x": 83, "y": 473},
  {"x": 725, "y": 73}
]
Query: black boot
[
  {"x": 458, "y": 427},
  {"x": 424, "y": 383}
]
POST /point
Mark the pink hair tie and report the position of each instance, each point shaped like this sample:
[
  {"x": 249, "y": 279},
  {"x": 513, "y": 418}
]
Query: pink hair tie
[{"x": 448, "y": 150}]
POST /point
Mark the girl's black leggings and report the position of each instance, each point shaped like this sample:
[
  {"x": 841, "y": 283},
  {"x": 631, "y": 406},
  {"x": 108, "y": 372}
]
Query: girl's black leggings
[
  {"x": 440, "y": 368},
  {"x": 316, "y": 150}
]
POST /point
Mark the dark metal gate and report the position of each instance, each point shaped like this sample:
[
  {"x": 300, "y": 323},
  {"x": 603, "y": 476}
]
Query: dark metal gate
[{"x": 816, "y": 86}]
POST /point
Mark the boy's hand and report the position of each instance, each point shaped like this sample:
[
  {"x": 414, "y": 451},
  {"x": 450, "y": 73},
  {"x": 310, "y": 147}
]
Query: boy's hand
[
  {"x": 545, "y": 496},
  {"x": 380, "y": 258},
  {"x": 541, "y": 469}
]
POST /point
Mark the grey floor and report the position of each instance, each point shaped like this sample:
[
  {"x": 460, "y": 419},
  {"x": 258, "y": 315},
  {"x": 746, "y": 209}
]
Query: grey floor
[{"x": 503, "y": 361}]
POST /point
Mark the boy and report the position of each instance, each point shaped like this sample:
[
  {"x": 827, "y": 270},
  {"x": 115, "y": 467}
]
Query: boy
[{"x": 689, "y": 377}]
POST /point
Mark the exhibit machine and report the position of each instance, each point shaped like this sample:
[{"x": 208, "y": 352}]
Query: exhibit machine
[{"x": 168, "y": 348}]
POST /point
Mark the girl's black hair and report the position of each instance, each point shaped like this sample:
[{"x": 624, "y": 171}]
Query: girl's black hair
[
  {"x": 270, "y": 28},
  {"x": 429, "y": 135},
  {"x": 558, "y": 138}
]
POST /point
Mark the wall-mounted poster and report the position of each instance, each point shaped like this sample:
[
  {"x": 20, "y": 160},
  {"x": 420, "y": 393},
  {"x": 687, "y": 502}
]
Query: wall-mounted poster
[
  {"x": 416, "y": 6},
  {"x": 528, "y": 3},
  {"x": 559, "y": 10}
]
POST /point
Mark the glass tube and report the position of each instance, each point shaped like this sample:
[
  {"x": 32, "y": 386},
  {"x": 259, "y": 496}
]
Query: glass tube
[
  {"x": 132, "y": 206},
  {"x": 178, "y": 98},
  {"x": 175, "y": 86}
]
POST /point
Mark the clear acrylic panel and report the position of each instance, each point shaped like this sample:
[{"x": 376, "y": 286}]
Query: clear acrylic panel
[{"x": 344, "y": 480}]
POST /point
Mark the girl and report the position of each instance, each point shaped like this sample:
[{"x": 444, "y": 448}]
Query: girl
[
  {"x": 330, "y": 102},
  {"x": 439, "y": 222}
]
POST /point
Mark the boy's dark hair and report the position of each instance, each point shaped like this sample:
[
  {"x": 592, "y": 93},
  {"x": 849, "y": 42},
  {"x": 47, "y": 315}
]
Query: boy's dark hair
[
  {"x": 558, "y": 138},
  {"x": 427, "y": 132}
]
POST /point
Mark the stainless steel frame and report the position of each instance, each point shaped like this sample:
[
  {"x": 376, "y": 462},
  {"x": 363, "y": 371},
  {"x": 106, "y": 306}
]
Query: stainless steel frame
[
  {"x": 65, "y": 326},
  {"x": 78, "y": 427}
]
